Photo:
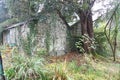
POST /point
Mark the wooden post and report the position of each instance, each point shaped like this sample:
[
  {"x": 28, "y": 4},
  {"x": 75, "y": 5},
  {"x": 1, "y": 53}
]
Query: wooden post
[{"x": 2, "y": 77}]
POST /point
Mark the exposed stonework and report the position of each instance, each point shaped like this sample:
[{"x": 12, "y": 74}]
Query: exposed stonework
[
  {"x": 41, "y": 35},
  {"x": 56, "y": 35},
  {"x": 51, "y": 35}
]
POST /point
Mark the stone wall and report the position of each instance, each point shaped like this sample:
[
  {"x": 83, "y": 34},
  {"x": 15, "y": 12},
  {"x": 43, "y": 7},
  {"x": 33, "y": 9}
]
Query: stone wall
[
  {"x": 52, "y": 36},
  {"x": 74, "y": 36}
]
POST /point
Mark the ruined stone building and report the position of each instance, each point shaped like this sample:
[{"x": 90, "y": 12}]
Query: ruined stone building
[{"x": 53, "y": 38}]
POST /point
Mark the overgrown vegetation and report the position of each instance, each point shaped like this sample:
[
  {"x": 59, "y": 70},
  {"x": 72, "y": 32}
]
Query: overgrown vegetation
[
  {"x": 26, "y": 68},
  {"x": 88, "y": 41},
  {"x": 101, "y": 41},
  {"x": 28, "y": 43},
  {"x": 37, "y": 68},
  {"x": 112, "y": 33}
]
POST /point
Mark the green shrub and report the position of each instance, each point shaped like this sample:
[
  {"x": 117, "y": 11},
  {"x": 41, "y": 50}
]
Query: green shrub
[
  {"x": 26, "y": 68},
  {"x": 79, "y": 45},
  {"x": 85, "y": 39},
  {"x": 101, "y": 41}
]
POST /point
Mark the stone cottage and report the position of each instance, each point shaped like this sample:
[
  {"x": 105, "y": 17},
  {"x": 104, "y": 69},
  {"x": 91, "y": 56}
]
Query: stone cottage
[{"x": 51, "y": 35}]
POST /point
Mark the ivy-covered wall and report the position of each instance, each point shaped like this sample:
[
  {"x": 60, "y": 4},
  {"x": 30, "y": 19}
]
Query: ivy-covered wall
[{"x": 52, "y": 36}]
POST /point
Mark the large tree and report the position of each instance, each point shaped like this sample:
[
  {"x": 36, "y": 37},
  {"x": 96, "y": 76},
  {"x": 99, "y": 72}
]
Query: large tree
[{"x": 65, "y": 8}]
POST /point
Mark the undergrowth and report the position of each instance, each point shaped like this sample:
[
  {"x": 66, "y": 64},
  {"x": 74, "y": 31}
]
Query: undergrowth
[
  {"x": 25, "y": 68},
  {"x": 36, "y": 68},
  {"x": 22, "y": 67}
]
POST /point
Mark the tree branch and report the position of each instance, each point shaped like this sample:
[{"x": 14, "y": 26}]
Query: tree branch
[
  {"x": 107, "y": 36},
  {"x": 63, "y": 18},
  {"x": 92, "y": 3}
]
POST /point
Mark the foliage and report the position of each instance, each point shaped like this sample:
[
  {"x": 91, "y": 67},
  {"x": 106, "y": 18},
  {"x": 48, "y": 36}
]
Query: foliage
[
  {"x": 89, "y": 70},
  {"x": 26, "y": 9},
  {"x": 37, "y": 68},
  {"x": 85, "y": 39},
  {"x": 61, "y": 72},
  {"x": 100, "y": 40},
  {"x": 18, "y": 9},
  {"x": 65, "y": 9},
  {"x": 41, "y": 51},
  {"x": 118, "y": 41},
  {"x": 112, "y": 32},
  {"x": 58, "y": 71},
  {"x": 79, "y": 45},
  {"x": 26, "y": 68},
  {"x": 29, "y": 44},
  {"x": 93, "y": 70}
]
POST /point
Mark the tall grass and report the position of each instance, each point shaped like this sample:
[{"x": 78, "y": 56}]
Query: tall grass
[
  {"x": 36, "y": 68},
  {"x": 26, "y": 68}
]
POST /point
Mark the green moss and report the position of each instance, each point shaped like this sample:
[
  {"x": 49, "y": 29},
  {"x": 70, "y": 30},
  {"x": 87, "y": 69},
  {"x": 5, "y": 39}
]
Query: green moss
[
  {"x": 8, "y": 22},
  {"x": 29, "y": 44}
]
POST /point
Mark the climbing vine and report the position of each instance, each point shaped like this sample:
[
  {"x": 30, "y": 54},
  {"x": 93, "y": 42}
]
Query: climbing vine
[{"x": 28, "y": 44}]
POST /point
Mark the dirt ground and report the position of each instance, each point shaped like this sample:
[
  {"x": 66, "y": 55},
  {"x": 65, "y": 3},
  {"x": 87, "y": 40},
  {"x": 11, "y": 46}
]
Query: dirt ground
[{"x": 72, "y": 56}]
